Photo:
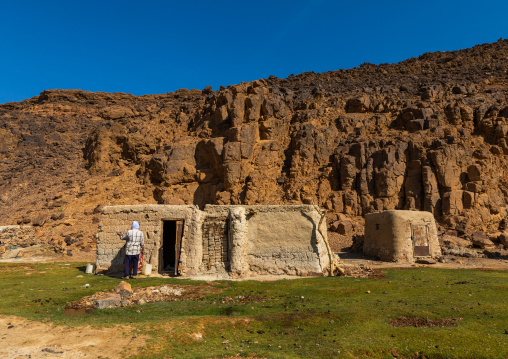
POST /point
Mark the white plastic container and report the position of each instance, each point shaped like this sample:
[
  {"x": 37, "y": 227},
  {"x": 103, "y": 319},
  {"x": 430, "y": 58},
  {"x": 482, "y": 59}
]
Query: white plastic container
[
  {"x": 89, "y": 268},
  {"x": 147, "y": 269}
]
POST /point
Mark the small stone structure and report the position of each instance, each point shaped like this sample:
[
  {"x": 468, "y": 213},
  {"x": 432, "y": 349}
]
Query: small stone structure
[
  {"x": 236, "y": 241},
  {"x": 401, "y": 236},
  {"x": 13, "y": 239},
  {"x": 22, "y": 236}
]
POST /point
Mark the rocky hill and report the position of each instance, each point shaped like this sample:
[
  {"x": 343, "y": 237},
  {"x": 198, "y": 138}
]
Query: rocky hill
[{"x": 429, "y": 133}]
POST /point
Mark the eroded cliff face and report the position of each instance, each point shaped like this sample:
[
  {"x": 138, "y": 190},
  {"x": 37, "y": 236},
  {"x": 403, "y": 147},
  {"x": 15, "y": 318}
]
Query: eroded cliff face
[{"x": 429, "y": 134}]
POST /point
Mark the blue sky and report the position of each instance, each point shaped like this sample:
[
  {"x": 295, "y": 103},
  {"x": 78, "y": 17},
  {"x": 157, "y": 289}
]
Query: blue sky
[{"x": 146, "y": 47}]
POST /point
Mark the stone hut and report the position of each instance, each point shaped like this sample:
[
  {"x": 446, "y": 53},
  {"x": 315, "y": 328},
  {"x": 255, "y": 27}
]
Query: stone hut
[
  {"x": 401, "y": 236},
  {"x": 229, "y": 241}
]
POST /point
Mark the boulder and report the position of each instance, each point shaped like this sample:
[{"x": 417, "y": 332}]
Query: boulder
[
  {"x": 39, "y": 220},
  {"x": 334, "y": 226},
  {"x": 453, "y": 241},
  {"x": 474, "y": 187},
  {"x": 474, "y": 173},
  {"x": 344, "y": 227},
  {"x": 463, "y": 226},
  {"x": 170, "y": 291},
  {"x": 98, "y": 208},
  {"x": 358, "y": 105},
  {"x": 110, "y": 301},
  {"x": 481, "y": 240},
  {"x": 123, "y": 288},
  {"x": 70, "y": 240},
  {"x": 425, "y": 261},
  {"x": 115, "y": 112},
  {"x": 503, "y": 239}
]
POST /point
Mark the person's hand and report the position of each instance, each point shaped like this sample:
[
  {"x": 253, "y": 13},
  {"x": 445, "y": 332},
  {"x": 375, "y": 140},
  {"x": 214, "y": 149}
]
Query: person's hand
[{"x": 119, "y": 234}]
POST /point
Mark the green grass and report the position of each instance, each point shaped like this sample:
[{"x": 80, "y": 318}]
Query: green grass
[{"x": 302, "y": 318}]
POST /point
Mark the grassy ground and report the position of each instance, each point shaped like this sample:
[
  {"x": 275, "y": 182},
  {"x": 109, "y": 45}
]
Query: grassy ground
[{"x": 303, "y": 318}]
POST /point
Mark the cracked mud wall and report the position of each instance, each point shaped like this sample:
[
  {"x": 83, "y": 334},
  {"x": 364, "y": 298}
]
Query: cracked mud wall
[
  {"x": 227, "y": 240},
  {"x": 279, "y": 241}
]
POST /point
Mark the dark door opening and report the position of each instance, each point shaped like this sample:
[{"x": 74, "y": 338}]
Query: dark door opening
[{"x": 171, "y": 244}]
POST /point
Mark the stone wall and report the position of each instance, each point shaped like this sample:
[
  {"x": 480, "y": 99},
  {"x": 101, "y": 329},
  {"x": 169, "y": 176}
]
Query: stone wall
[
  {"x": 215, "y": 241},
  {"x": 388, "y": 234},
  {"x": 110, "y": 248}
]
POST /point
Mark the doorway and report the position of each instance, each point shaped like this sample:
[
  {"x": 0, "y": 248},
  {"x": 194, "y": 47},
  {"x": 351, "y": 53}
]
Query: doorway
[
  {"x": 421, "y": 240},
  {"x": 169, "y": 254}
]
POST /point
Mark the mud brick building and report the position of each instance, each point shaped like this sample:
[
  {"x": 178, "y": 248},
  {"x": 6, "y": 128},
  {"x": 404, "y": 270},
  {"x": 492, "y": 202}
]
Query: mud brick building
[
  {"x": 232, "y": 241},
  {"x": 401, "y": 236}
]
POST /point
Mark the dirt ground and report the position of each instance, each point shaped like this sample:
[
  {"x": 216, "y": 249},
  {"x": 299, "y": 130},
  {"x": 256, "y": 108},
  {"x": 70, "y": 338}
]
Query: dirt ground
[
  {"x": 21, "y": 338},
  {"x": 42, "y": 253},
  {"x": 452, "y": 262}
]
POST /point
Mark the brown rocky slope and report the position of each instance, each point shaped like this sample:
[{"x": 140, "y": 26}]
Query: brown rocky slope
[{"x": 429, "y": 133}]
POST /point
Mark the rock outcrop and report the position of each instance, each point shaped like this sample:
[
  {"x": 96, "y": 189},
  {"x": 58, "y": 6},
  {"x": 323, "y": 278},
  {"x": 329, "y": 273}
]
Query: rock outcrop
[{"x": 429, "y": 133}]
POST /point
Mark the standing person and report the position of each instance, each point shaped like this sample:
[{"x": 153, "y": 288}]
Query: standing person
[{"x": 135, "y": 241}]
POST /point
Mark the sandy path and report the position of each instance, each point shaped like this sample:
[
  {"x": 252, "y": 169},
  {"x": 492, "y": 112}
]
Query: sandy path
[{"x": 22, "y": 338}]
